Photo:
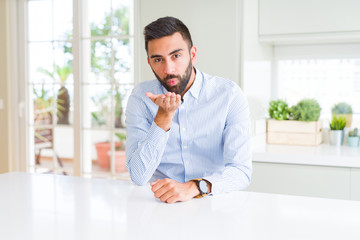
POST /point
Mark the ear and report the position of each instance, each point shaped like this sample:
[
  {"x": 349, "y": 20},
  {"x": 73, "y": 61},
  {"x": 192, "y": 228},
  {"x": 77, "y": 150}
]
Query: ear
[
  {"x": 148, "y": 60},
  {"x": 193, "y": 54}
]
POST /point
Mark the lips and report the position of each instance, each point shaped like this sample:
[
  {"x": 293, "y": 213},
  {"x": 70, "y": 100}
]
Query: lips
[{"x": 172, "y": 82}]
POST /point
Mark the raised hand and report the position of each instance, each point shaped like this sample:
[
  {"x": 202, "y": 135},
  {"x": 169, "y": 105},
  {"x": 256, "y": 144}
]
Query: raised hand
[{"x": 168, "y": 104}]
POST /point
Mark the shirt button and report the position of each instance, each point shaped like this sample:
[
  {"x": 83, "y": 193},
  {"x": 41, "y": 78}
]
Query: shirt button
[
  {"x": 187, "y": 162},
  {"x": 185, "y": 147},
  {"x": 184, "y": 129},
  {"x": 182, "y": 107}
]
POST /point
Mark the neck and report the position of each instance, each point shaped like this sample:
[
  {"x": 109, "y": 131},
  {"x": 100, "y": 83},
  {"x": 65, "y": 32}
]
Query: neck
[{"x": 190, "y": 83}]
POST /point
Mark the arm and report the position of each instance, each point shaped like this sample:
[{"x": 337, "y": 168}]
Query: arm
[
  {"x": 146, "y": 138},
  {"x": 237, "y": 170}
]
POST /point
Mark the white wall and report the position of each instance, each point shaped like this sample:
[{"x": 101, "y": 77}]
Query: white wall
[
  {"x": 256, "y": 70},
  {"x": 215, "y": 27}
]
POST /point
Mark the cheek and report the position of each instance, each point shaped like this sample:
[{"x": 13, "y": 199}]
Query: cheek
[{"x": 156, "y": 69}]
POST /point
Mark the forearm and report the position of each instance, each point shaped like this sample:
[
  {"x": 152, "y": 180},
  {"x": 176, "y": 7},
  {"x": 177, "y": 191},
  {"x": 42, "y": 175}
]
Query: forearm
[
  {"x": 229, "y": 179},
  {"x": 144, "y": 157},
  {"x": 164, "y": 119}
]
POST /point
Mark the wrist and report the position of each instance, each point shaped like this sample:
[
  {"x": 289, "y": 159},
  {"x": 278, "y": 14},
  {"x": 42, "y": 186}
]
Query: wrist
[
  {"x": 164, "y": 119},
  {"x": 194, "y": 189},
  {"x": 203, "y": 186}
]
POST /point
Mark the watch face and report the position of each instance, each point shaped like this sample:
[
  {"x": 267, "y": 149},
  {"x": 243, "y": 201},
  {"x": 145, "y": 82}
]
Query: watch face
[{"x": 203, "y": 186}]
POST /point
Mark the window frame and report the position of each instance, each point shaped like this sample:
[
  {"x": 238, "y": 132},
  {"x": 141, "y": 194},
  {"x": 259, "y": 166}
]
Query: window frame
[
  {"x": 310, "y": 51},
  {"x": 25, "y": 148}
]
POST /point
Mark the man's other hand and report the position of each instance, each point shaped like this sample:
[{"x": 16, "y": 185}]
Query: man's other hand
[{"x": 170, "y": 191}]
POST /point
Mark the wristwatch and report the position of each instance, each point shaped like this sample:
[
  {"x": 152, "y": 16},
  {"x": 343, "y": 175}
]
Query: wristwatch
[{"x": 202, "y": 186}]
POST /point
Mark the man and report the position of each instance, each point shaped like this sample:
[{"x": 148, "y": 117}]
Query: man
[{"x": 188, "y": 133}]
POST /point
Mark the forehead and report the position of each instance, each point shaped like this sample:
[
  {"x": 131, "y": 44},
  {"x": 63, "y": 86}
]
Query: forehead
[{"x": 165, "y": 45}]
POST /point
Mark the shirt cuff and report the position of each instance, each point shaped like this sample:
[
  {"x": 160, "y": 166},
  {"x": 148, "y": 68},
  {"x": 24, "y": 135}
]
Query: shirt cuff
[
  {"x": 216, "y": 187},
  {"x": 157, "y": 136}
]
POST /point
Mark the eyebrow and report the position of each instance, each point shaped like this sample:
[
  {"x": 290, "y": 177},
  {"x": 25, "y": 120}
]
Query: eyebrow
[{"x": 175, "y": 51}]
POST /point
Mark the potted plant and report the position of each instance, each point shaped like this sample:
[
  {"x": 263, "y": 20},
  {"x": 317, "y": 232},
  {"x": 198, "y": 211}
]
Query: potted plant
[
  {"x": 120, "y": 154},
  {"x": 337, "y": 130},
  {"x": 353, "y": 138},
  {"x": 344, "y": 109},
  {"x": 299, "y": 124},
  {"x": 306, "y": 110},
  {"x": 279, "y": 110},
  {"x": 104, "y": 153},
  {"x": 61, "y": 73}
]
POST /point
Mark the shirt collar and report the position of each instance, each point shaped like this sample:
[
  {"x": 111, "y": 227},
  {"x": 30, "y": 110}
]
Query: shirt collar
[{"x": 196, "y": 86}]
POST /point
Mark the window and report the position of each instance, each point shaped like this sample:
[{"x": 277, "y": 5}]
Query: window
[
  {"x": 105, "y": 78},
  {"x": 329, "y": 74}
]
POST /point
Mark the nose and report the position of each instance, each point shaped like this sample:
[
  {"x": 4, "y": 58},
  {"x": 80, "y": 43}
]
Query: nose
[{"x": 169, "y": 67}]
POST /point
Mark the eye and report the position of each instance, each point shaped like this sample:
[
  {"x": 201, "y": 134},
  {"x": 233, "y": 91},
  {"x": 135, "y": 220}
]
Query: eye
[
  {"x": 157, "y": 60},
  {"x": 177, "y": 55}
]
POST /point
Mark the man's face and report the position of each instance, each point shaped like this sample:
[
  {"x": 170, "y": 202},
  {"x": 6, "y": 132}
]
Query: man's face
[{"x": 171, "y": 61}]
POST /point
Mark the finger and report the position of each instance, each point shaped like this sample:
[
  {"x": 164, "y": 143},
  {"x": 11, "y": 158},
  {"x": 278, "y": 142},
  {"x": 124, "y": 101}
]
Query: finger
[
  {"x": 167, "y": 195},
  {"x": 173, "y": 99},
  {"x": 161, "y": 192},
  {"x": 168, "y": 94},
  {"x": 160, "y": 101},
  {"x": 166, "y": 101},
  {"x": 149, "y": 94},
  {"x": 178, "y": 98},
  {"x": 152, "y": 96},
  {"x": 157, "y": 185},
  {"x": 172, "y": 199},
  {"x": 153, "y": 183}
]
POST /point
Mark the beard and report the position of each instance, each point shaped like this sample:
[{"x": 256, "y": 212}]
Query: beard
[{"x": 183, "y": 80}]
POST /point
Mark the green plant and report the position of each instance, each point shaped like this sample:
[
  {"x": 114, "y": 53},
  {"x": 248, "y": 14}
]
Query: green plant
[
  {"x": 338, "y": 123},
  {"x": 102, "y": 103},
  {"x": 118, "y": 109},
  {"x": 61, "y": 73},
  {"x": 279, "y": 110},
  {"x": 122, "y": 138},
  {"x": 353, "y": 133},
  {"x": 42, "y": 100},
  {"x": 103, "y": 108},
  {"x": 341, "y": 108},
  {"x": 306, "y": 110}
]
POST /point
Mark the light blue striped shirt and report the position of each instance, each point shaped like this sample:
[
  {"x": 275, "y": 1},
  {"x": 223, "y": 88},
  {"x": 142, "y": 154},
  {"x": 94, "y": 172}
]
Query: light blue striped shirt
[{"x": 209, "y": 136}]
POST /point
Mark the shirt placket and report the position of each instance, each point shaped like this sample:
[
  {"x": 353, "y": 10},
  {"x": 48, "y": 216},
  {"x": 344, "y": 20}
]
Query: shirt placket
[{"x": 184, "y": 137}]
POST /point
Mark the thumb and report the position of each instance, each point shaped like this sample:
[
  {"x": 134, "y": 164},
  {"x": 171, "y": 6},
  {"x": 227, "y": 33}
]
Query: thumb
[
  {"x": 149, "y": 95},
  {"x": 153, "y": 183},
  {"x": 152, "y": 96}
]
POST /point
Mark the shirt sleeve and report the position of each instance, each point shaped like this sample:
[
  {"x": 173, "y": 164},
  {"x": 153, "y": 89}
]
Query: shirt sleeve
[
  {"x": 145, "y": 141},
  {"x": 237, "y": 170}
]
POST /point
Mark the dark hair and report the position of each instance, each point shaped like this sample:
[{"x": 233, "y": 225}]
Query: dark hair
[{"x": 166, "y": 26}]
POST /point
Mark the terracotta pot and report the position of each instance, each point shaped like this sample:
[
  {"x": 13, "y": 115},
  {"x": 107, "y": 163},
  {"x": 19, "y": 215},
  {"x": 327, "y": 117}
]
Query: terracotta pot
[
  {"x": 120, "y": 161},
  {"x": 103, "y": 156}
]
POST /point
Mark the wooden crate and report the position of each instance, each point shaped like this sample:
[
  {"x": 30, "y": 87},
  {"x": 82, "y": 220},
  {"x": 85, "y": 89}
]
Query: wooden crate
[{"x": 292, "y": 132}]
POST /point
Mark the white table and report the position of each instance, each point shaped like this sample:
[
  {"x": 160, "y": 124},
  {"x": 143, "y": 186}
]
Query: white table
[{"x": 34, "y": 206}]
